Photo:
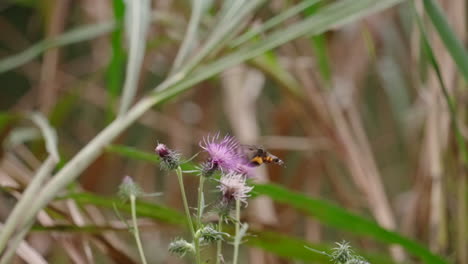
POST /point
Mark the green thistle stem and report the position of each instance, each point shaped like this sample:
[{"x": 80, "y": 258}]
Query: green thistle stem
[
  {"x": 236, "y": 243},
  {"x": 136, "y": 232},
  {"x": 219, "y": 244},
  {"x": 200, "y": 202},
  {"x": 199, "y": 217},
  {"x": 187, "y": 214}
]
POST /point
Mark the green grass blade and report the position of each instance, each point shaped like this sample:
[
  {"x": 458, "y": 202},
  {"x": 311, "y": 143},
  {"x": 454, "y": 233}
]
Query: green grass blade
[
  {"x": 295, "y": 248},
  {"x": 77, "y": 35},
  {"x": 451, "y": 42},
  {"x": 319, "y": 44},
  {"x": 286, "y": 246},
  {"x": 6, "y": 119},
  {"x": 137, "y": 21},
  {"x": 269, "y": 64},
  {"x": 292, "y": 11},
  {"x": 115, "y": 69},
  {"x": 337, "y": 217},
  {"x": 133, "y": 153},
  {"x": 190, "y": 37},
  {"x": 143, "y": 209}
]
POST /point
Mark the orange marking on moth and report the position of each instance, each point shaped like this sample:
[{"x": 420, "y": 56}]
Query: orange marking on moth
[{"x": 257, "y": 160}]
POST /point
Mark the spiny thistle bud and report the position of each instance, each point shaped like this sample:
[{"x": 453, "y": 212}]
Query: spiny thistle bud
[
  {"x": 129, "y": 188},
  {"x": 170, "y": 159},
  {"x": 224, "y": 210},
  {"x": 357, "y": 260},
  {"x": 208, "y": 235},
  {"x": 342, "y": 253},
  {"x": 180, "y": 247},
  {"x": 207, "y": 169}
]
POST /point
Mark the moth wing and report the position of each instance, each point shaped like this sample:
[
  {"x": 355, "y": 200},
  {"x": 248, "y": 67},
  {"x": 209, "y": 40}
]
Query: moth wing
[{"x": 249, "y": 151}]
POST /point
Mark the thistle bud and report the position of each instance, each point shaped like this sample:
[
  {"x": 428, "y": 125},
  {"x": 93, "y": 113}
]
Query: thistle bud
[
  {"x": 357, "y": 260},
  {"x": 129, "y": 188},
  {"x": 208, "y": 235},
  {"x": 207, "y": 169},
  {"x": 162, "y": 150},
  {"x": 342, "y": 253},
  {"x": 180, "y": 247},
  {"x": 170, "y": 159}
]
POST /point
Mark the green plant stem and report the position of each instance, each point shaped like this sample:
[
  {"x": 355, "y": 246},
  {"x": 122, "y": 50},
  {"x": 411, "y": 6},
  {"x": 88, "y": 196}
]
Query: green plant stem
[
  {"x": 196, "y": 243},
  {"x": 135, "y": 231},
  {"x": 237, "y": 242},
  {"x": 187, "y": 214},
  {"x": 219, "y": 244},
  {"x": 184, "y": 200},
  {"x": 200, "y": 207},
  {"x": 201, "y": 203}
]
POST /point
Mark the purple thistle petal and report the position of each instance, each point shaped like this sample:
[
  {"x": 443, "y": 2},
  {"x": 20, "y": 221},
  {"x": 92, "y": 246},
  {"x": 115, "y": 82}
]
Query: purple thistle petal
[
  {"x": 162, "y": 150},
  {"x": 223, "y": 152},
  {"x": 245, "y": 169}
]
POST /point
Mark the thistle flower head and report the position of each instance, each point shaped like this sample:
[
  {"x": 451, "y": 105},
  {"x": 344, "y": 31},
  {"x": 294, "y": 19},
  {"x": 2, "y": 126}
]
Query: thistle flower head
[
  {"x": 223, "y": 153},
  {"x": 234, "y": 188},
  {"x": 128, "y": 188},
  {"x": 180, "y": 247},
  {"x": 170, "y": 159}
]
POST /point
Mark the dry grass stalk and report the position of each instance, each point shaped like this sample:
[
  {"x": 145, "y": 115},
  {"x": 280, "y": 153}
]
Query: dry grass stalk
[{"x": 47, "y": 89}]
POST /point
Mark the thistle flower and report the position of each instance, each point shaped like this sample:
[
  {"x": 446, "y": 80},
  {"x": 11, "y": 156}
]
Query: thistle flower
[
  {"x": 180, "y": 247},
  {"x": 170, "y": 159},
  {"x": 234, "y": 188},
  {"x": 223, "y": 154},
  {"x": 128, "y": 188}
]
